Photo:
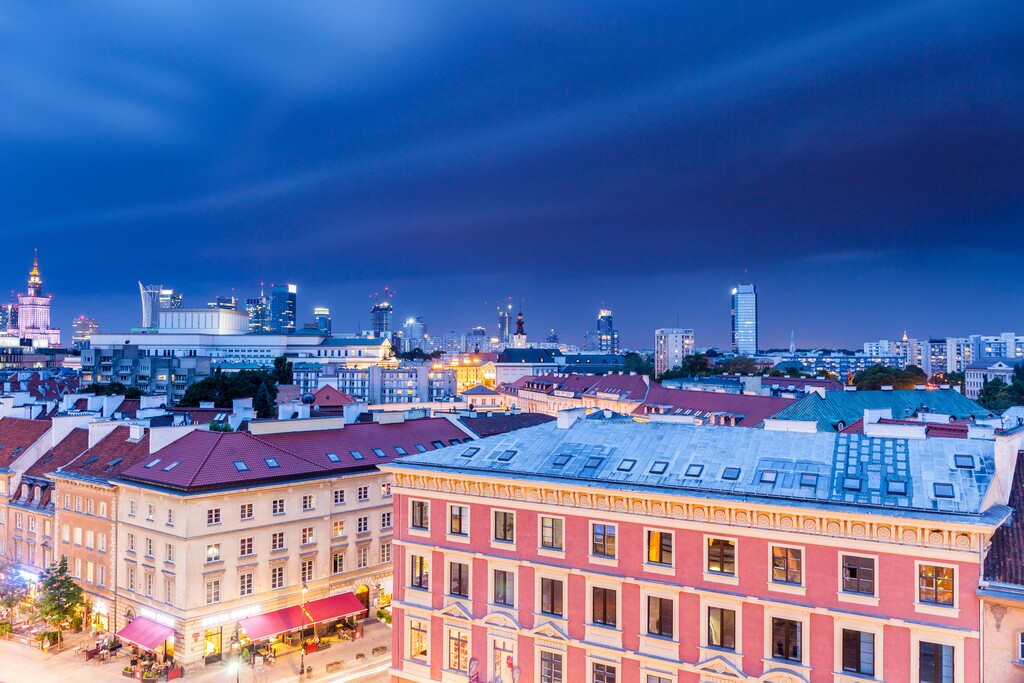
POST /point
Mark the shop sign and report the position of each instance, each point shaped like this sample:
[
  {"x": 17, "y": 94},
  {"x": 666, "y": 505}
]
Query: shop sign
[
  {"x": 236, "y": 615},
  {"x": 157, "y": 617}
]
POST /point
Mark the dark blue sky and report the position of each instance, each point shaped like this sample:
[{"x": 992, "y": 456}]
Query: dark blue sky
[{"x": 863, "y": 162}]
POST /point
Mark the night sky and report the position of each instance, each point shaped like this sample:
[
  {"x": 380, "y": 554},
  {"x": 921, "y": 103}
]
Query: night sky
[{"x": 861, "y": 162}]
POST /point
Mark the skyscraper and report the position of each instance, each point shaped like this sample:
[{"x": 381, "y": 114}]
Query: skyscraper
[
  {"x": 380, "y": 315},
  {"x": 228, "y": 303},
  {"x": 322, "y": 319},
  {"x": 155, "y": 297},
  {"x": 505, "y": 323},
  {"x": 82, "y": 330},
  {"x": 34, "y": 311},
  {"x": 604, "y": 337},
  {"x": 283, "y": 299},
  {"x": 744, "y": 320},
  {"x": 414, "y": 334},
  {"x": 258, "y": 308}
]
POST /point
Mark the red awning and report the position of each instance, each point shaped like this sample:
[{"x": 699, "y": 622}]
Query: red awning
[
  {"x": 292, "y": 618},
  {"x": 146, "y": 633}
]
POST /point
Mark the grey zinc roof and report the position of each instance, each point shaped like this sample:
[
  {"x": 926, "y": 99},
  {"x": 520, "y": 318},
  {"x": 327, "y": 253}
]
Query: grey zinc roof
[{"x": 810, "y": 469}]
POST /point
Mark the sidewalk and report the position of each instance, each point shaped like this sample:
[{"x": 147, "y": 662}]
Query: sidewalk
[{"x": 20, "y": 664}]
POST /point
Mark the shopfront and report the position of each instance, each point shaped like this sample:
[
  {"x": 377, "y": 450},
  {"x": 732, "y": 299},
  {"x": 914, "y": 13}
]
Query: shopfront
[{"x": 213, "y": 641}]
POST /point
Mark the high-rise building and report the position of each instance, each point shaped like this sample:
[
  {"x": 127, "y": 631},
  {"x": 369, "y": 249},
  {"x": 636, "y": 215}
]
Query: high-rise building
[
  {"x": 744, "y": 320},
  {"x": 9, "y": 317},
  {"x": 505, "y": 323},
  {"x": 155, "y": 297},
  {"x": 414, "y": 334},
  {"x": 34, "y": 312},
  {"x": 258, "y": 308},
  {"x": 322, "y": 320},
  {"x": 671, "y": 346},
  {"x": 228, "y": 303},
  {"x": 604, "y": 337},
  {"x": 283, "y": 299},
  {"x": 82, "y": 330},
  {"x": 380, "y": 315}
]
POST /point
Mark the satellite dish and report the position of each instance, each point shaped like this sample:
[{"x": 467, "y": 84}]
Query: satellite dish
[{"x": 308, "y": 399}]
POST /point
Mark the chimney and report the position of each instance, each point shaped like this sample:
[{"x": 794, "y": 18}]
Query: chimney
[
  {"x": 567, "y": 418},
  {"x": 886, "y": 387},
  {"x": 920, "y": 387}
]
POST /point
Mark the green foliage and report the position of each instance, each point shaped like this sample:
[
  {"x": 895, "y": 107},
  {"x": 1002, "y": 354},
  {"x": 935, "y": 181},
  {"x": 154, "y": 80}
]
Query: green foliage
[
  {"x": 220, "y": 427},
  {"x": 263, "y": 404},
  {"x": 5, "y": 627},
  {"x": 419, "y": 354},
  {"x": 283, "y": 370},
  {"x": 878, "y": 376},
  {"x": 641, "y": 364},
  {"x": 384, "y": 615},
  {"x": 14, "y": 589},
  {"x": 740, "y": 365},
  {"x": 113, "y": 389},
  {"x": 695, "y": 365},
  {"x": 222, "y": 388},
  {"x": 60, "y": 599}
]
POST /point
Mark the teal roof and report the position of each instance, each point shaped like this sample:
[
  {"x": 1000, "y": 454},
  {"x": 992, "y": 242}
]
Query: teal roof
[
  {"x": 849, "y": 406},
  {"x": 352, "y": 341}
]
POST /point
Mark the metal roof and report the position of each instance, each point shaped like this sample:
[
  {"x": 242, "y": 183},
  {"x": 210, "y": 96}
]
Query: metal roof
[
  {"x": 849, "y": 406},
  {"x": 817, "y": 470}
]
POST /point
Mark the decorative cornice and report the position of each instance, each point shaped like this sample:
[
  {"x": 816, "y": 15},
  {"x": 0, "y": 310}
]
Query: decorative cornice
[{"x": 743, "y": 513}]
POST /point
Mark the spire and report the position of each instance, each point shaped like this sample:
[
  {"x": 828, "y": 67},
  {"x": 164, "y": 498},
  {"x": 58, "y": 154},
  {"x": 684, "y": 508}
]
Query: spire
[
  {"x": 519, "y": 322},
  {"x": 35, "y": 282}
]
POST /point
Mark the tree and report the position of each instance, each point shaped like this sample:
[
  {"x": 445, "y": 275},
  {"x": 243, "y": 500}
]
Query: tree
[
  {"x": 641, "y": 364},
  {"x": 13, "y": 589},
  {"x": 419, "y": 354},
  {"x": 222, "y": 388},
  {"x": 878, "y": 376},
  {"x": 995, "y": 394},
  {"x": 263, "y": 404},
  {"x": 113, "y": 389},
  {"x": 283, "y": 370},
  {"x": 741, "y": 365},
  {"x": 696, "y": 364},
  {"x": 60, "y": 599}
]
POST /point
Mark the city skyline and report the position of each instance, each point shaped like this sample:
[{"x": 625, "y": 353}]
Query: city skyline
[{"x": 847, "y": 159}]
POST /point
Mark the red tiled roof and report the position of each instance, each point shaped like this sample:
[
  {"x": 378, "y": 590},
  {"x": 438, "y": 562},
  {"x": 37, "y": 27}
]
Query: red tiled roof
[
  {"x": 17, "y": 434},
  {"x": 208, "y": 459},
  {"x": 81, "y": 404},
  {"x": 1005, "y": 559},
  {"x": 953, "y": 430},
  {"x": 500, "y": 424},
  {"x": 329, "y": 397},
  {"x": 130, "y": 406},
  {"x": 754, "y": 409},
  {"x": 626, "y": 387},
  {"x": 69, "y": 448}
]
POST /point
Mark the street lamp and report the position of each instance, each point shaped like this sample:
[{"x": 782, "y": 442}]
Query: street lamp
[
  {"x": 235, "y": 666},
  {"x": 302, "y": 631}
]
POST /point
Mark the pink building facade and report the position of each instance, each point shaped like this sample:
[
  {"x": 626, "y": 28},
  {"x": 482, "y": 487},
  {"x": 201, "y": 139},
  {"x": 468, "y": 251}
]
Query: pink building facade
[{"x": 607, "y": 551}]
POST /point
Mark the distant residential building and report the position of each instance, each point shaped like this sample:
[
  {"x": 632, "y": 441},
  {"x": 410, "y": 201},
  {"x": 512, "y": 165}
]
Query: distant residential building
[
  {"x": 986, "y": 370},
  {"x": 882, "y": 347},
  {"x": 604, "y": 337},
  {"x": 228, "y": 303},
  {"x": 322, "y": 319},
  {"x": 376, "y": 384},
  {"x": 744, "y": 320},
  {"x": 1005, "y": 345},
  {"x": 82, "y": 330},
  {"x": 671, "y": 346},
  {"x": 282, "y": 308},
  {"x": 449, "y": 342}
]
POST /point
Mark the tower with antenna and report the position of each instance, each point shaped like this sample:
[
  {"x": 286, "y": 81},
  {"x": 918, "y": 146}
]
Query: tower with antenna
[{"x": 381, "y": 313}]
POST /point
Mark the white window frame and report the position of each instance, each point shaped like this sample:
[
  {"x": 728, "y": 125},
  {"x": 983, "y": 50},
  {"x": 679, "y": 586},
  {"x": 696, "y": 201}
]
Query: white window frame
[
  {"x": 857, "y": 598},
  {"x": 551, "y": 552},
  {"x": 501, "y": 544},
  {"x": 658, "y": 567},
  {"x": 605, "y": 560},
  {"x": 718, "y": 577},
  {"x": 934, "y": 609},
  {"x": 783, "y": 587},
  {"x": 866, "y": 625}
]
